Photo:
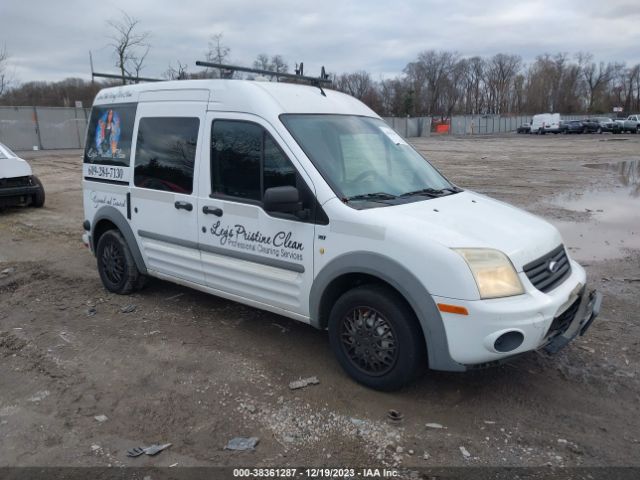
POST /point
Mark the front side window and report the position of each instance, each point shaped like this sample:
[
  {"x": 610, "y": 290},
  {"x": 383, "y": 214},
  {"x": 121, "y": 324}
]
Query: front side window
[
  {"x": 109, "y": 135},
  {"x": 165, "y": 153},
  {"x": 362, "y": 157},
  {"x": 246, "y": 160},
  {"x": 236, "y": 155}
]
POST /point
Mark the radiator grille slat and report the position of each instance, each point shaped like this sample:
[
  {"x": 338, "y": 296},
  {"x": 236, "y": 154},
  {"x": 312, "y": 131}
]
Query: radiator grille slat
[{"x": 541, "y": 275}]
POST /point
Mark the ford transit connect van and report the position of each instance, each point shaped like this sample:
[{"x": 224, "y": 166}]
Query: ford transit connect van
[{"x": 303, "y": 202}]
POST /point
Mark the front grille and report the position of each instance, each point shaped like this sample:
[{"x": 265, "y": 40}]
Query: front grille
[
  {"x": 562, "y": 321},
  {"x": 15, "y": 182},
  {"x": 540, "y": 274}
]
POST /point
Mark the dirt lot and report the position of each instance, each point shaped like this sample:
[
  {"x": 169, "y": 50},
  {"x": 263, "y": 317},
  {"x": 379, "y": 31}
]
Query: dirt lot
[{"x": 195, "y": 370}]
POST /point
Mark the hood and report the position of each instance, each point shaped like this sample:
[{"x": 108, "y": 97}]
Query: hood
[
  {"x": 471, "y": 220},
  {"x": 14, "y": 167}
]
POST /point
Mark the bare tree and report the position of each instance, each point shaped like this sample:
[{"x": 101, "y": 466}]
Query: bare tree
[
  {"x": 275, "y": 64},
  {"x": 218, "y": 52},
  {"x": 500, "y": 75},
  {"x": 176, "y": 73},
  {"x": 262, "y": 62},
  {"x": 595, "y": 77},
  {"x": 130, "y": 47},
  {"x": 278, "y": 64},
  {"x": 356, "y": 84},
  {"x": 475, "y": 85},
  {"x": 4, "y": 74}
]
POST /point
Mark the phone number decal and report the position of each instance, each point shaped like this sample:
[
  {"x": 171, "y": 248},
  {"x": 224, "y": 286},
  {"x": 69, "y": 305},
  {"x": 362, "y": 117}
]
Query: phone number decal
[{"x": 106, "y": 172}]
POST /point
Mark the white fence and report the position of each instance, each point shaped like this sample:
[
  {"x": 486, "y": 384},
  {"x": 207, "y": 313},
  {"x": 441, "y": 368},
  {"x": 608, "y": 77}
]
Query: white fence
[{"x": 23, "y": 128}]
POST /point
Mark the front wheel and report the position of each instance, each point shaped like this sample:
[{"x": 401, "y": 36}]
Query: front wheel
[
  {"x": 376, "y": 338},
  {"x": 38, "y": 197},
  {"x": 116, "y": 265}
]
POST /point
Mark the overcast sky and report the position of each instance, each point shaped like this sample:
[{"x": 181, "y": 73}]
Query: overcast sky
[{"x": 50, "y": 40}]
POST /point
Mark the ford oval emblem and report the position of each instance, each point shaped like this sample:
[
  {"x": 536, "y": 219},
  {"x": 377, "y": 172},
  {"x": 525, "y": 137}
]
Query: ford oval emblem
[{"x": 553, "y": 266}]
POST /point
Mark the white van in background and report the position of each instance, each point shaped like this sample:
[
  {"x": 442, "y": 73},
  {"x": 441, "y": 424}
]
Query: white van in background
[{"x": 545, "y": 123}]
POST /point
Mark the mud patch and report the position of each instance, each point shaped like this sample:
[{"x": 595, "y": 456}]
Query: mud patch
[{"x": 613, "y": 224}]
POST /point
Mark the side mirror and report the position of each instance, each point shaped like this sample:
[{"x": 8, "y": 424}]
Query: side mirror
[{"x": 282, "y": 199}]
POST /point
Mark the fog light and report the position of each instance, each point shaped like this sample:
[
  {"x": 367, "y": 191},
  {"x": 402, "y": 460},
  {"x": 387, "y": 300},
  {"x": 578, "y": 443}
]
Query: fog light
[{"x": 508, "y": 341}]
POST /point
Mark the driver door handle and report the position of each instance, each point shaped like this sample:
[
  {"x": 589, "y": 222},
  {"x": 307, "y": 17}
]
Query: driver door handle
[
  {"x": 212, "y": 211},
  {"x": 183, "y": 206}
]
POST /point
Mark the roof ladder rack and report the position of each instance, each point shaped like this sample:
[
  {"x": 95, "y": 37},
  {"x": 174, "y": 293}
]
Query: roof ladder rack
[
  {"x": 318, "y": 81},
  {"x": 115, "y": 76}
]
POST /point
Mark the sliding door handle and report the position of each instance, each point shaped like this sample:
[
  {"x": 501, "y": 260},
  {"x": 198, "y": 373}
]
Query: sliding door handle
[
  {"x": 183, "y": 206},
  {"x": 212, "y": 211}
]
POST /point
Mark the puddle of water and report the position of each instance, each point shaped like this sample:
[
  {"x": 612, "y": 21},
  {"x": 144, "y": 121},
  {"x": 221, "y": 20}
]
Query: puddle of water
[{"x": 614, "y": 223}]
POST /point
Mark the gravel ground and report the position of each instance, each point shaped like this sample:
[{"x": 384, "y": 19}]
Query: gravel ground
[{"x": 170, "y": 364}]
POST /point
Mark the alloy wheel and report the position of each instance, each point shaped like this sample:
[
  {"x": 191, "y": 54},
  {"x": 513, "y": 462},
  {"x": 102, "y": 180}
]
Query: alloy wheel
[
  {"x": 368, "y": 340},
  {"x": 113, "y": 263}
]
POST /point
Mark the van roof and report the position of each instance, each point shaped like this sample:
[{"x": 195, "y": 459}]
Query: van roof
[{"x": 261, "y": 98}]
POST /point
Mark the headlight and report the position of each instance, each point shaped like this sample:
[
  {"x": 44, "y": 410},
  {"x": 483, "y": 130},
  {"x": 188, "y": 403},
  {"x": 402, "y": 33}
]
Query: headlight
[{"x": 493, "y": 271}]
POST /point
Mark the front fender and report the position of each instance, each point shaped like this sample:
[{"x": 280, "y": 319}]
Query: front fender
[{"x": 405, "y": 283}]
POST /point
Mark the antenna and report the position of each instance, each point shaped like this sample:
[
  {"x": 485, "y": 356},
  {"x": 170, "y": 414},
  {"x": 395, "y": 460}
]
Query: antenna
[
  {"x": 291, "y": 76},
  {"x": 125, "y": 77}
]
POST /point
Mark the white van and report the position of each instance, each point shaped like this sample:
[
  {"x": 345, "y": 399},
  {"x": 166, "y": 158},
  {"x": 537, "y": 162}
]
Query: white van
[
  {"x": 545, "y": 123},
  {"x": 303, "y": 202}
]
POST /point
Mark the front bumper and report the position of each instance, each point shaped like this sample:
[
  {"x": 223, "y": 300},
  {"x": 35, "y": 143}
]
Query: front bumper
[
  {"x": 530, "y": 321},
  {"x": 21, "y": 195},
  {"x": 588, "y": 310}
]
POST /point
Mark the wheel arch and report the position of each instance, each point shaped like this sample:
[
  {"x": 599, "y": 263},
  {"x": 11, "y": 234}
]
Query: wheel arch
[
  {"x": 107, "y": 218},
  {"x": 357, "y": 268}
]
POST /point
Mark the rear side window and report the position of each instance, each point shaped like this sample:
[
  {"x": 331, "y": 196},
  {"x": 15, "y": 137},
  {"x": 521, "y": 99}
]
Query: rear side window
[
  {"x": 109, "y": 135},
  {"x": 165, "y": 153}
]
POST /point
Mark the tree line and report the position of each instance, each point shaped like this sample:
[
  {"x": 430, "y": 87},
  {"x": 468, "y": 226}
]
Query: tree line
[
  {"x": 436, "y": 83},
  {"x": 443, "y": 83}
]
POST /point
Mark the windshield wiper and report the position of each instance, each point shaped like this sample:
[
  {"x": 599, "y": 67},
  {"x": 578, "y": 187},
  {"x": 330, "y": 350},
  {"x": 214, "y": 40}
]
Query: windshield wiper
[
  {"x": 432, "y": 192},
  {"x": 372, "y": 196}
]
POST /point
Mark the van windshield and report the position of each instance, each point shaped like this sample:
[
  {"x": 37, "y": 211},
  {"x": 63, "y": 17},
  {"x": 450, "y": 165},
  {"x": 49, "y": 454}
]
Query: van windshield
[{"x": 362, "y": 158}]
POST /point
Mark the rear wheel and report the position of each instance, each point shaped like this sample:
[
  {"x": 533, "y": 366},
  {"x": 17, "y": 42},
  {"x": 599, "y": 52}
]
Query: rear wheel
[
  {"x": 376, "y": 338},
  {"x": 38, "y": 198},
  {"x": 116, "y": 265}
]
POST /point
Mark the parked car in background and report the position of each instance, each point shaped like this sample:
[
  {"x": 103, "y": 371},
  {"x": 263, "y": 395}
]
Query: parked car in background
[
  {"x": 524, "y": 128},
  {"x": 545, "y": 123},
  {"x": 632, "y": 124},
  {"x": 589, "y": 125},
  {"x": 18, "y": 185},
  {"x": 606, "y": 124},
  {"x": 620, "y": 122},
  {"x": 571, "y": 126}
]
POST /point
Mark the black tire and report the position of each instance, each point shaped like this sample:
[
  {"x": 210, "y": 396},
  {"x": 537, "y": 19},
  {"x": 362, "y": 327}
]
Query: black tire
[
  {"x": 376, "y": 338},
  {"x": 38, "y": 198},
  {"x": 599, "y": 130},
  {"x": 116, "y": 265}
]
